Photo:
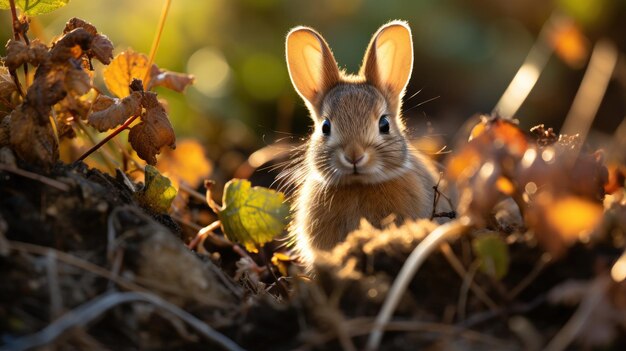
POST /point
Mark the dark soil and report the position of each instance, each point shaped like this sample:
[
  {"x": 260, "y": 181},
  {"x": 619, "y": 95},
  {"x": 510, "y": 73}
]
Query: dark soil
[{"x": 63, "y": 249}]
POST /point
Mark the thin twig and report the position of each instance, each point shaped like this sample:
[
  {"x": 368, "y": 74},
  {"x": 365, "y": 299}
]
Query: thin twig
[
  {"x": 456, "y": 264},
  {"x": 117, "y": 131},
  {"x": 156, "y": 41},
  {"x": 362, "y": 326},
  {"x": 468, "y": 281},
  {"x": 91, "y": 310},
  {"x": 410, "y": 267},
  {"x": 202, "y": 233},
  {"x": 52, "y": 273},
  {"x": 74, "y": 261},
  {"x": 15, "y": 27},
  {"x": 528, "y": 73},
  {"x": 34, "y": 176},
  {"x": 191, "y": 191},
  {"x": 591, "y": 91},
  {"x": 537, "y": 269},
  {"x": 574, "y": 325}
]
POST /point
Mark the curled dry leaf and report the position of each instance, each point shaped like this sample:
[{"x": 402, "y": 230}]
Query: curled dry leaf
[
  {"x": 107, "y": 112},
  {"x": 100, "y": 46},
  {"x": 171, "y": 80},
  {"x": 32, "y": 141},
  {"x": 548, "y": 180},
  {"x": 59, "y": 74},
  {"x": 153, "y": 132},
  {"x": 19, "y": 53},
  {"x": 7, "y": 92}
]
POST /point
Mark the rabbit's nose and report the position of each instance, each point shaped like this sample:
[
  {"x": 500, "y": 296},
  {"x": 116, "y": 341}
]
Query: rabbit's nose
[{"x": 354, "y": 159}]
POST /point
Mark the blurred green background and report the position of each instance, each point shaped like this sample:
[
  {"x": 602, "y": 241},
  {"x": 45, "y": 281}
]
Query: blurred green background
[{"x": 466, "y": 53}]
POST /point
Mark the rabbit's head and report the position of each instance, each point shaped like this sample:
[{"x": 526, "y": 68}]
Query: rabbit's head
[{"x": 359, "y": 135}]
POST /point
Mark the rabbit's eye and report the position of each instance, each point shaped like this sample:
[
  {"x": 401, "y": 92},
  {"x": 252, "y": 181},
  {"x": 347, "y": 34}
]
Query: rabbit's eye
[
  {"x": 383, "y": 124},
  {"x": 326, "y": 127}
]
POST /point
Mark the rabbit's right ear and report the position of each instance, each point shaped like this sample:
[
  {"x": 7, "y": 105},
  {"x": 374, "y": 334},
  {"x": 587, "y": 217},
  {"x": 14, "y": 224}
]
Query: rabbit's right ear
[{"x": 312, "y": 67}]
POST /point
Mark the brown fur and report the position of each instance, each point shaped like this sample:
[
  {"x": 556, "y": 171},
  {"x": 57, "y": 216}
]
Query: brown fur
[{"x": 332, "y": 194}]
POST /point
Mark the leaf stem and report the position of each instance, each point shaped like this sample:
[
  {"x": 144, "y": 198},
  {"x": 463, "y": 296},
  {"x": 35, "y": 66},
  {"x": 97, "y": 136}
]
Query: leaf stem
[
  {"x": 156, "y": 41},
  {"x": 15, "y": 22},
  {"x": 109, "y": 137}
]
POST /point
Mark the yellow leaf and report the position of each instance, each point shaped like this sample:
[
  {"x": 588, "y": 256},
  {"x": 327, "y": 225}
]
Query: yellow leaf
[
  {"x": 187, "y": 163},
  {"x": 252, "y": 216},
  {"x": 124, "y": 67},
  {"x": 573, "y": 216},
  {"x": 158, "y": 192}
]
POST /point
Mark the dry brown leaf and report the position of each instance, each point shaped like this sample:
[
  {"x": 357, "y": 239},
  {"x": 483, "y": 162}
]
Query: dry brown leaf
[
  {"x": 100, "y": 46},
  {"x": 125, "y": 67},
  {"x": 107, "y": 112},
  {"x": 77, "y": 82},
  {"x": 153, "y": 132},
  {"x": 8, "y": 91},
  {"x": 32, "y": 141},
  {"x": 75, "y": 22},
  {"x": 170, "y": 80},
  {"x": 19, "y": 53},
  {"x": 187, "y": 163}
]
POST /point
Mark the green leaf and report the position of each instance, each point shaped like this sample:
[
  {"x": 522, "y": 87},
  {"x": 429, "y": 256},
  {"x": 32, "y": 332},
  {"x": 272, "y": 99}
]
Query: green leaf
[
  {"x": 34, "y": 7},
  {"x": 493, "y": 254},
  {"x": 252, "y": 216},
  {"x": 158, "y": 193}
]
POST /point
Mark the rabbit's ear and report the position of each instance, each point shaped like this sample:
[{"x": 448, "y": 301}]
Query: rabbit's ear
[
  {"x": 311, "y": 64},
  {"x": 388, "y": 61}
]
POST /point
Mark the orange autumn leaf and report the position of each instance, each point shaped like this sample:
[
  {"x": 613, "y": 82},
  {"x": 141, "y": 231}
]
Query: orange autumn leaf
[
  {"x": 559, "y": 222},
  {"x": 187, "y": 163},
  {"x": 574, "y": 216},
  {"x": 569, "y": 43},
  {"x": 123, "y": 69}
]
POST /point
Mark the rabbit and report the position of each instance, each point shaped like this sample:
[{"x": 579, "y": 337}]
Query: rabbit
[{"x": 358, "y": 162}]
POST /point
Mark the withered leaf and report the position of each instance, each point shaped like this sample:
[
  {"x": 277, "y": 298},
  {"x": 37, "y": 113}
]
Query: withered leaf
[
  {"x": 7, "y": 89},
  {"x": 19, "y": 53},
  {"x": 77, "y": 82},
  {"x": 107, "y": 112},
  {"x": 100, "y": 46},
  {"x": 124, "y": 67},
  {"x": 76, "y": 22},
  {"x": 170, "y": 80},
  {"x": 32, "y": 141},
  {"x": 153, "y": 132}
]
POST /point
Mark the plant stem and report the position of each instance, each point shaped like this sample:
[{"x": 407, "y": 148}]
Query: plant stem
[
  {"x": 109, "y": 137},
  {"x": 15, "y": 23},
  {"x": 156, "y": 41}
]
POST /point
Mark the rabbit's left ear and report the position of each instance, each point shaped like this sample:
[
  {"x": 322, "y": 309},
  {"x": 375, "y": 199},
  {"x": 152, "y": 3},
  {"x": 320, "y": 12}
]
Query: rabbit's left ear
[{"x": 388, "y": 61}]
